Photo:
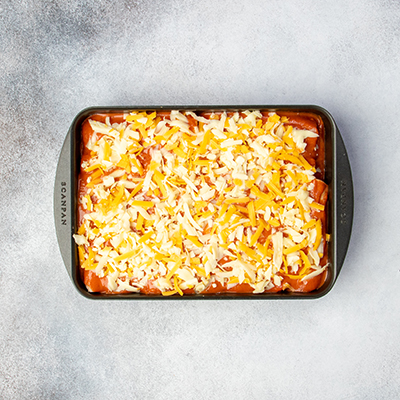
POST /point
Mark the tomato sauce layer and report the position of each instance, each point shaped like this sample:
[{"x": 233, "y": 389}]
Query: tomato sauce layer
[{"x": 267, "y": 255}]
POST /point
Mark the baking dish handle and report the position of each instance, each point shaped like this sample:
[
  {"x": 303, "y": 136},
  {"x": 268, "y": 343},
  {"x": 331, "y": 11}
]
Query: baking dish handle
[
  {"x": 344, "y": 201},
  {"x": 63, "y": 204}
]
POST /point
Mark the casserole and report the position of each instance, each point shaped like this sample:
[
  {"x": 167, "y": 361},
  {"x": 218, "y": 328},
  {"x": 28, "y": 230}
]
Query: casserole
[{"x": 337, "y": 169}]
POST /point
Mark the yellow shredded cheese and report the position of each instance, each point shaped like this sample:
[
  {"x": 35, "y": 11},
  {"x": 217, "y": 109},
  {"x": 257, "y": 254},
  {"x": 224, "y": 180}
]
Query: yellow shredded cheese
[{"x": 144, "y": 204}]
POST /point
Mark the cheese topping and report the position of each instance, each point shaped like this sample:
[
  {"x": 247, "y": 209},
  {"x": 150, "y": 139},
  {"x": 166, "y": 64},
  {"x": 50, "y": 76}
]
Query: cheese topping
[{"x": 184, "y": 200}]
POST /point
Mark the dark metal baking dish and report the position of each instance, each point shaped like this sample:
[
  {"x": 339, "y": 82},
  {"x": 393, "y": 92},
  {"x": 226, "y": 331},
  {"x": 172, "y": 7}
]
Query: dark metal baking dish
[{"x": 339, "y": 213}]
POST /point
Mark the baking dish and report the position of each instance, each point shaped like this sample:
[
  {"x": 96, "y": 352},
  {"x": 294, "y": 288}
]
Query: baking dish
[{"x": 339, "y": 212}]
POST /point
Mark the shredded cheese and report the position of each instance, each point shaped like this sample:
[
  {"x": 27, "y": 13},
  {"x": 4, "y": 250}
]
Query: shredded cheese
[{"x": 183, "y": 200}]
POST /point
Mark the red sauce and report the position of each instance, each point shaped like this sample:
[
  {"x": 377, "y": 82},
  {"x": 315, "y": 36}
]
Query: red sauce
[
  {"x": 314, "y": 154},
  {"x": 315, "y": 149}
]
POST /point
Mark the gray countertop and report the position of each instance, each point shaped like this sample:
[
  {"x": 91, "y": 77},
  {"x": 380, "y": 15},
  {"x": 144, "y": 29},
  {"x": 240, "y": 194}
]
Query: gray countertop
[{"x": 59, "y": 57}]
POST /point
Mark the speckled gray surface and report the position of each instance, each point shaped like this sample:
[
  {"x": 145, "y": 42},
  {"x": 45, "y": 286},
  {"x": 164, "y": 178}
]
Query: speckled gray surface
[{"x": 59, "y": 57}]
